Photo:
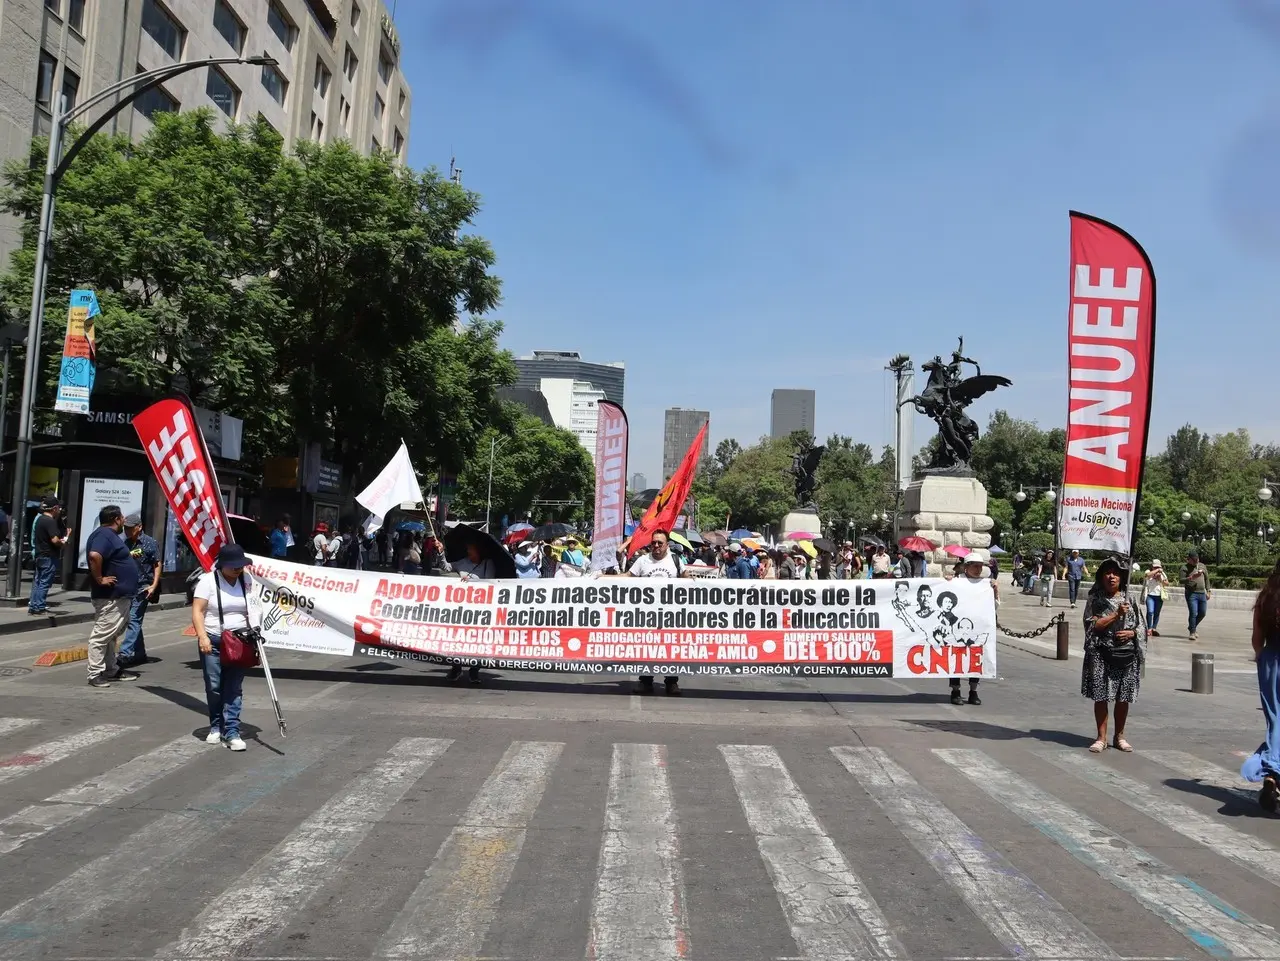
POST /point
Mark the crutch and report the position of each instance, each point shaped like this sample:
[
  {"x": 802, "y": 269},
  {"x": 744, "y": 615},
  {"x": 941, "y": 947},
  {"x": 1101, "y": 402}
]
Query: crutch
[{"x": 271, "y": 685}]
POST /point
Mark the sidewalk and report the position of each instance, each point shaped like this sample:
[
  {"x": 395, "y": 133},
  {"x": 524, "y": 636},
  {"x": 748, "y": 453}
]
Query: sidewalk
[
  {"x": 66, "y": 607},
  {"x": 1224, "y": 633}
]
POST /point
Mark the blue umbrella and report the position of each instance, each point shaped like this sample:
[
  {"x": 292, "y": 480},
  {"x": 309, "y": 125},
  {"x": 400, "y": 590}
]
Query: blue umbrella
[
  {"x": 740, "y": 533},
  {"x": 415, "y": 526},
  {"x": 997, "y": 549}
]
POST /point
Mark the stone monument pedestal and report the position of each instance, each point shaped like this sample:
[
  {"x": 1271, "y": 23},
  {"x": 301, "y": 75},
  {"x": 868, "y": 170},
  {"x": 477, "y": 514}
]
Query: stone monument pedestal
[
  {"x": 799, "y": 521},
  {"x": 947, "y": 510}
]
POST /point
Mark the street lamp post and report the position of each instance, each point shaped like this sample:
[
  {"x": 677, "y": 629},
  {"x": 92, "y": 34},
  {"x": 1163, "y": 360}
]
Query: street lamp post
[
  {"x": 56, "y": 165},
  {"x": 488, "y": 497}
]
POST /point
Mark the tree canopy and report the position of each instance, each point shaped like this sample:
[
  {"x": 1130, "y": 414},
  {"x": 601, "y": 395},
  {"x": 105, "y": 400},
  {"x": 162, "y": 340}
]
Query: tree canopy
[
  {"x": 321, "y": 296},
  {"x": 1209, "y": 478},
  {"x": 533, "y": 465}
]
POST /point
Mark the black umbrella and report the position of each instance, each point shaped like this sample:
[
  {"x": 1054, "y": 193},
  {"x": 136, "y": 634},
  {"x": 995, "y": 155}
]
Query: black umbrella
[
  {"x": 549, "y": 532},
  {"x": 871, "y": 540},
  {"x": 822, "y": 544},
  {"x": 455, "y": 549},
  {"x": 693, "y": 537}
]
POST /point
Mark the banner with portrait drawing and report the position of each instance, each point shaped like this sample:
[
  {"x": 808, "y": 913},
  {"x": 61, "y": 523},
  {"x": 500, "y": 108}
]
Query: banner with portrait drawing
[{"x": 620, "y": 625}]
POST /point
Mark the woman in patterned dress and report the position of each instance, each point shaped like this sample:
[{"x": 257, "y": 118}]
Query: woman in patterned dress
[{"x": 1114, "y": 636}]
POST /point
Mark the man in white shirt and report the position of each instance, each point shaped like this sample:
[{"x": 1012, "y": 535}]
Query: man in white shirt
[
  {"x": 320, "y": 544},
  {"x": 657, "y": 563}
]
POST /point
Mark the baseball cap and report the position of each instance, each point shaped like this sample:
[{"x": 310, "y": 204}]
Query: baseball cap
[{"x": 133, "y": 520}]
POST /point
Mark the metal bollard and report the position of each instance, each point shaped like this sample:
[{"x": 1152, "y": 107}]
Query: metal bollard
[
  {"x": 1201, "y": 673},
  {"x": 1064, "y": 639}
]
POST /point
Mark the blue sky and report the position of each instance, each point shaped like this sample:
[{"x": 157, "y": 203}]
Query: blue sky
[{"x": 736, "y": 195}]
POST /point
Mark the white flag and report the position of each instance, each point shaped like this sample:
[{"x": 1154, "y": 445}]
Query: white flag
[{"x": 396, "y": 485}]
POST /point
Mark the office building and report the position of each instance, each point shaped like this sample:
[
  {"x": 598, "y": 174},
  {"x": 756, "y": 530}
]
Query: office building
[
  {"x": 531, "y": 400},
  {"x": 679, "y": 429},
  {"x": 568, "y": 365},
  {"x": 337, "y": 77},
  {"x": 639, "y": 482},
  {"x": 790, "y": 411},
  {"x": 573, "y": 406}
]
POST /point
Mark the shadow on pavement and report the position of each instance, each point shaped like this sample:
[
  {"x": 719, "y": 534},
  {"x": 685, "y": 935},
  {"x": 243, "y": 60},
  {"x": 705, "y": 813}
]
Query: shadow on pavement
[
  {"x": 995, "y": 732},
  {"x": 1236, "y": 802},
  {"x": 364, "y": 674}
]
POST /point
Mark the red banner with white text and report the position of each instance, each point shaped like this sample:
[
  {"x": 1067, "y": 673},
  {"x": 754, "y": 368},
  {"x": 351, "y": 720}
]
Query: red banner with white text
[
  {"x": 175, "y": 447},
  {"x": 611, "y": 484},
  {"x": 1111, "y": 333}
]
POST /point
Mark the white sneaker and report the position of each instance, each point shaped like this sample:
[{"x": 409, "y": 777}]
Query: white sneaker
[
  {"x": 213, "y": 737},
  {"x": 237, "y": 744}
]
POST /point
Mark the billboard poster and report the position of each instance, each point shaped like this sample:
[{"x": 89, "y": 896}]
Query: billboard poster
[
  {"x": 75, "y": 382},
  {"x": 97, "y": 493}
]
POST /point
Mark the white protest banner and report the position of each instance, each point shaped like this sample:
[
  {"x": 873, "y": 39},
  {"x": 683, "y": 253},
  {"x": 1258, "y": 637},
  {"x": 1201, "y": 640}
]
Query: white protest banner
[{"x": 619, "y": 625}]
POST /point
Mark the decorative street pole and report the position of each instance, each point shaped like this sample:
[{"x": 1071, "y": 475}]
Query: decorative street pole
[{"x": 55, "y": 166}]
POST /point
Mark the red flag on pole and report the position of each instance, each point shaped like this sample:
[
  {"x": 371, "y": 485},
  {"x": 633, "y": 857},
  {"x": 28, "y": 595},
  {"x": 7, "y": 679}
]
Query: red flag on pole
[
  {"x": 175, "y": 447},
  {"x": 1111, "y": 336},
  {"x": 666, "y": 506}
]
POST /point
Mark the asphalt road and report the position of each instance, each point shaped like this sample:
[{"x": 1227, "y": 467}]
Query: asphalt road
[{"x": 548, "y": 818}]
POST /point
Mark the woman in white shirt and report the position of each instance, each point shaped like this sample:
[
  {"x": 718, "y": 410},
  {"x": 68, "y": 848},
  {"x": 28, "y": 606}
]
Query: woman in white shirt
[
  {"x": 231, "y": 585},
  {"x": 1154, "y": 585}
]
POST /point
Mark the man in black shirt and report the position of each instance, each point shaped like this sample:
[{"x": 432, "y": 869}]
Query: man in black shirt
[{"x": 48, "y": 536}]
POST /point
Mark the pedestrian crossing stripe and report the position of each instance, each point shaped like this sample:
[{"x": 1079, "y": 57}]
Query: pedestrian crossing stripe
[{"x": 639, "y": 909}]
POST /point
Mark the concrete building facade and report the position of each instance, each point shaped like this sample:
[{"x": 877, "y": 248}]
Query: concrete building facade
[
  {"x": 338, "y": 74},
  {"x": 790, "y": 411},
  {"x": 573, "y": 406},
  {"x": 569, "y": 365},
  {"x": 680, "y": 427}
]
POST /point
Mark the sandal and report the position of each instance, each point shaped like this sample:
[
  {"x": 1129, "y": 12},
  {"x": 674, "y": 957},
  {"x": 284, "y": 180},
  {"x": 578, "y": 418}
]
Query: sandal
[
  {"x": 1121, "y": 744},
  {"x": 1098, "y": 746}
]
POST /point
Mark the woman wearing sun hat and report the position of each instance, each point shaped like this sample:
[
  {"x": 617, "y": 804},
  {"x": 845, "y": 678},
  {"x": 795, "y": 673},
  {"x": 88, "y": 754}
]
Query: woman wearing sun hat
[
  {"x": 1114, "y": 635},
  {"x": 221, "y": 603}
]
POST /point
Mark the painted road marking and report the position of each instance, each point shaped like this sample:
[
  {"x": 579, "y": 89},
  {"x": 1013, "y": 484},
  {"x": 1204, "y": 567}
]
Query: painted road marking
[
  {"x": 829, "y": 910},
  {"x": 260, "y": 902},
  {"x": 65, "y": 806},
  {"x": 1021, "y": 915},
  {"x": 121, "y": 876},
  {"x": 1194, "y": 769},
  {"x": 450, "y": 912},
  {"x": 10, "y": 724},
  {"x": 1244, "y": 849},
  {"x": 1199, "y": 915},
  {"x": 639, "y": 909},
  {"x": 42, "y": 755}
]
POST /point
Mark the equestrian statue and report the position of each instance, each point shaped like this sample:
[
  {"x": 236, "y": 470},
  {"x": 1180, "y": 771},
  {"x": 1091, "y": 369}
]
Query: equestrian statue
[{"x": 945, "y": 397}]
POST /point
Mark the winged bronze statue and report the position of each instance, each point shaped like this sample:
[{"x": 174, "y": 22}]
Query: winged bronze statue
[
  {"x": 945, "y": 397},
  {"x": 804, "y": 468}
]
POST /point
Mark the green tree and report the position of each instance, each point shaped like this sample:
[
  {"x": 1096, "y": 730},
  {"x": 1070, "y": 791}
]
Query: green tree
[
  {"x": 320, "y": 296},
  {"x": 531, "y": 462},
  {"x": 757, "y": 487},
  {"x": 726, "y": 451},
  {"x": 852, "y": 485}
]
